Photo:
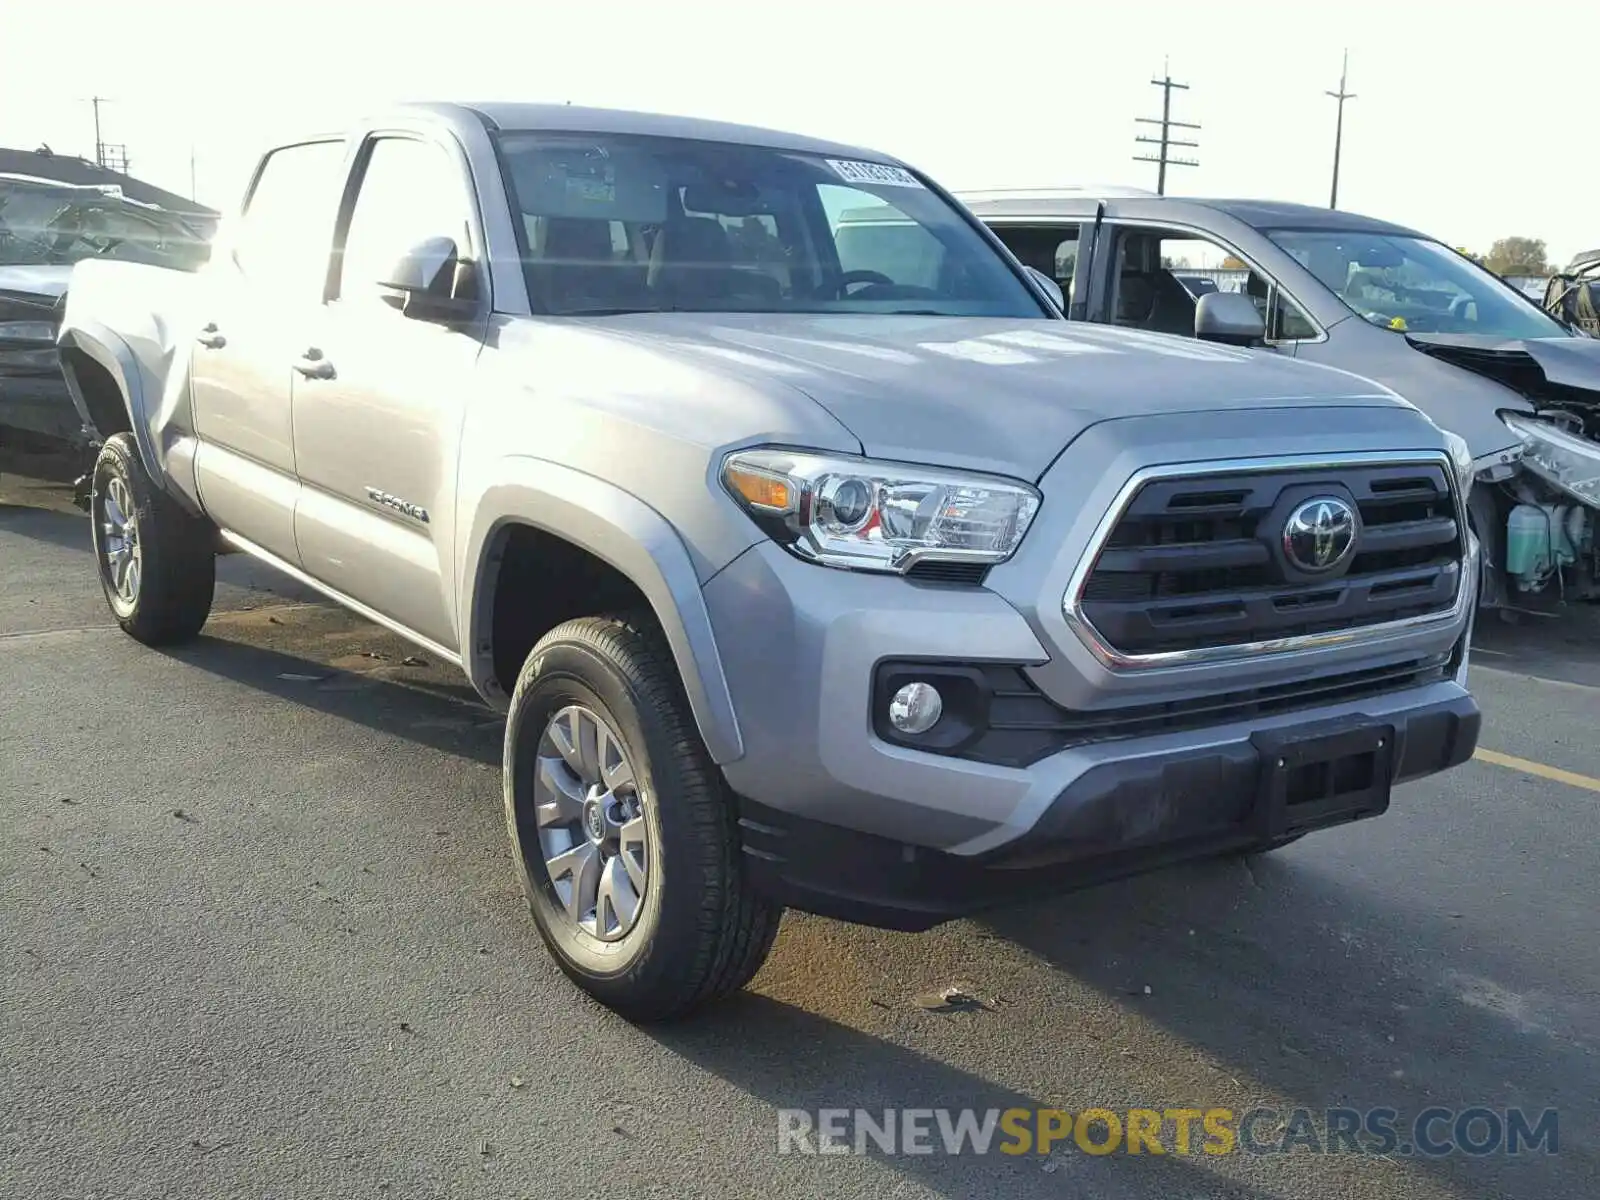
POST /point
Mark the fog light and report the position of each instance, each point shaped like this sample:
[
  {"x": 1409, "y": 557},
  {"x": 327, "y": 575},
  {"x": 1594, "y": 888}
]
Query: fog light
[{"x": 915, "y": 708}]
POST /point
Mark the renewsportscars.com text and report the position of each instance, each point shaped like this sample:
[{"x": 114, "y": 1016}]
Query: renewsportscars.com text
[{"x": 1433, "y": 1132}]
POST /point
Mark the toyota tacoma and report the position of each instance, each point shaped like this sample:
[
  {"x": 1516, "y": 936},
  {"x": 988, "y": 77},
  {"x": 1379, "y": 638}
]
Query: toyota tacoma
[{"x": 861, "y": 584}]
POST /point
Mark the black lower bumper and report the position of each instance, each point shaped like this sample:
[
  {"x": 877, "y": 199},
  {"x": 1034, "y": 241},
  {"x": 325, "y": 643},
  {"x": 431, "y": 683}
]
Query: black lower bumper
[{"x": 1117, "y": 819}]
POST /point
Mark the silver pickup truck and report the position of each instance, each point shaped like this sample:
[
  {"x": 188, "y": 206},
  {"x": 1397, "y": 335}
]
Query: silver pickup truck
[{"x": 804, "y": 580}]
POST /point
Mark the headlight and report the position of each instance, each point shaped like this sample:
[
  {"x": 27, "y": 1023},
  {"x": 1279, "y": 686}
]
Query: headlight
[
  {"x": 1561, "y": 459},
  {"x": 1461, "y": 458},
  {"x": 876, "y": 516}
]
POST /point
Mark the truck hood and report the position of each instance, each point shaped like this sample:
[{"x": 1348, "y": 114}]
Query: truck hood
[{"x": 990, "y": 394}]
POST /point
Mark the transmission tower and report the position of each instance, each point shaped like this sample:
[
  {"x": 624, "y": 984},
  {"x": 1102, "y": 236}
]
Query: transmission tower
[{"x": 1166, "y": 141}]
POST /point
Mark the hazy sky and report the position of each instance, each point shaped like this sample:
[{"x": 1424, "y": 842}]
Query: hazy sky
[{"x": 1465, "y": 123}]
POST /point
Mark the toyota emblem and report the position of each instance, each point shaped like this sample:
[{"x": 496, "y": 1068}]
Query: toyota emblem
[{"x": 1320, "y": 534}]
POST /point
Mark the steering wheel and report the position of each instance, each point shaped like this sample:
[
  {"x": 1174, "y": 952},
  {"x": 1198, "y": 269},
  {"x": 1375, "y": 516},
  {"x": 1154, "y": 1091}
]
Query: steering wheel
[{"x": 850, "y": 278}]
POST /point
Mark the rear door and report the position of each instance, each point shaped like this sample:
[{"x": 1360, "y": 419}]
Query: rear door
[
  {"x": 268, "y": 276},
  {"x": 377, "y": 424}
]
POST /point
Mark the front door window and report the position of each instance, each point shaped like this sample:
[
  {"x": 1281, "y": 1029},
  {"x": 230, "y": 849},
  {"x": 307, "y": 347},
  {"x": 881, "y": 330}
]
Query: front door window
[{"x": 1161, "y": 274}]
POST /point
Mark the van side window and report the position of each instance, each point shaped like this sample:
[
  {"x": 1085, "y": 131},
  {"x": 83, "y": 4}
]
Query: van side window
[
  {"x": 285, "y": 234},
  {"x": 1050, "y": 249}
]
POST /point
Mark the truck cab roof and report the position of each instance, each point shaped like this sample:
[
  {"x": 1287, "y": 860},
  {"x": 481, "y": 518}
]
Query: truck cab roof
[{"x": 498, "y": 115}]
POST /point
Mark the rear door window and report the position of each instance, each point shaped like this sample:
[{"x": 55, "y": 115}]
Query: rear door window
[{"x": 285, "y": 233}]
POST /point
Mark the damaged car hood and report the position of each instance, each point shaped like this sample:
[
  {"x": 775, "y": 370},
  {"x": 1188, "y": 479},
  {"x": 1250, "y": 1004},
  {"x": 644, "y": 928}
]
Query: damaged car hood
[
  {"x": 1565, "y": 362},
  {"x": 1550, "y": 373}
]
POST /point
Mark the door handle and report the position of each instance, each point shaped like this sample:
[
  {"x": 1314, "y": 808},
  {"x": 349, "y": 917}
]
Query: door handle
[
  {"x": 210, "y": 338},
  {"x": 313, "y": 366}
]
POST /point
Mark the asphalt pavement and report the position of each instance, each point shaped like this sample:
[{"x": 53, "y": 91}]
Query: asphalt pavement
[{"x": 261, "y": 936}]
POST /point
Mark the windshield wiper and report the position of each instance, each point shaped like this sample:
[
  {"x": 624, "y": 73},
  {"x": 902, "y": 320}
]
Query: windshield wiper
[{"x": 618, "y": 311}]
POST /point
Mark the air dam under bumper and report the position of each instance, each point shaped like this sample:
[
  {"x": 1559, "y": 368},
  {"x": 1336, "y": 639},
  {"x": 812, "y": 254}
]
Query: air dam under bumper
[{"x": 1122, "y": 817}]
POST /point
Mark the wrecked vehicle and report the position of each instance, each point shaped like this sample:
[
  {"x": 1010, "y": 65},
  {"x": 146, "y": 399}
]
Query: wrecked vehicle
[
  {"x": 809, "y": 571},
  {"x": 1382, "y": 301},
  {"x": 45, "y": 227},
  {"x": 1573, "y": 295}
]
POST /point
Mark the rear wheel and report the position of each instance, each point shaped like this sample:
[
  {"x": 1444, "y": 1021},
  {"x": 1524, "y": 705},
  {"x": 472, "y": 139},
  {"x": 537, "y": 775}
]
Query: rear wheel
[
  {"x": 624, "y": 832},
  {"x": 155, "y": 560}
]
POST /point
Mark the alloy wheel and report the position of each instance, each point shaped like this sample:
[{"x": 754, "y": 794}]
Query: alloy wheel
[{"x": 590, "y": 818}]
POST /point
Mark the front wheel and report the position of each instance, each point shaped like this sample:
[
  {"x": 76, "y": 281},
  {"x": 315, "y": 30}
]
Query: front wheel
[
  {"x": 156, "y": 562},
  {"x": 625, "y": 835}
]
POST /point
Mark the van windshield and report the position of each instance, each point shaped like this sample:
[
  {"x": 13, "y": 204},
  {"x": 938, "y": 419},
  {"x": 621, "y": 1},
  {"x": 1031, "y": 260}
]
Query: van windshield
[
  {"x": 613, "y": 222},
  {"x": 1412, "y": 284}
]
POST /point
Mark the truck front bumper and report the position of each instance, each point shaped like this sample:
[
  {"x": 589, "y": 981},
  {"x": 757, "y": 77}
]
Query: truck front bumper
[
  {"x": 1117, "y": 819},
  {"x": 838, "y": 819}
]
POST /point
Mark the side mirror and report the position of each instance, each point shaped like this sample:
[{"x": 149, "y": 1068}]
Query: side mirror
[
  {"x": 1050, "y": 286},
  {"x": 1230, "y": 318},
  {"x": 423, "y": 282}
]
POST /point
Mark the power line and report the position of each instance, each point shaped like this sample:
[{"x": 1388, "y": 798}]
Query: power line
[
  {"x": 1166, "y": 141},
  {"x": 1338, "y": 130}
]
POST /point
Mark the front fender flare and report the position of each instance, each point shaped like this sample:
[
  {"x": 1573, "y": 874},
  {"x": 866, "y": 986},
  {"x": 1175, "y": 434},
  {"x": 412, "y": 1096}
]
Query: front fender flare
[{"x": 621, "y": 530}]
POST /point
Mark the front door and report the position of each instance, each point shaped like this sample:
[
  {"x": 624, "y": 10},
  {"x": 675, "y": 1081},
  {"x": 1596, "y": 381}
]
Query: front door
[
  {"x": 1155, "y": 276},
  {"x": 378, "y": 399},
  {"x": 267, "y": 277}
]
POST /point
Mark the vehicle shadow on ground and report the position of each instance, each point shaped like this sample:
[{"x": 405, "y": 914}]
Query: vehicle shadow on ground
[
  {"x": 790, "y": 1058},
  {"x": 42, "y": 525},
  {"x": 1565, "y": 646},
  {"x": 389, "y": 699},
  {"x": 1305, "y": 986}
]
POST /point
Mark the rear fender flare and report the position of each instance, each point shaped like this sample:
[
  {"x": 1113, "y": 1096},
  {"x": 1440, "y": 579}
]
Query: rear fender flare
[
  {"x": 620, "y": 529},
  {"x": 113, "y": 354}
]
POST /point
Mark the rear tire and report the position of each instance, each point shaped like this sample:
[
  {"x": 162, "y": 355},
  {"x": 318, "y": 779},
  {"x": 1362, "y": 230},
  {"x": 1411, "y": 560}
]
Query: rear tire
[
  {"x": 625, "y": 836},
  {"x": 155, "y": 560}
]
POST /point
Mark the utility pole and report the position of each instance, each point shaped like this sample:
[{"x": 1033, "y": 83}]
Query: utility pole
[
  {"x": 1166, "y": 141},
  {"x": 1338, "y": 130},
  {"x": 99, "y": 146}
]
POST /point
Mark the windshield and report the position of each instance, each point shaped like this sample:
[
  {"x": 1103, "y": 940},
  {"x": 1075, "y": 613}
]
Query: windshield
[
  {"x": 43, "y": 224},
  {"x": 638, "y": 223},
  {"x": 1411, "y": 284}
]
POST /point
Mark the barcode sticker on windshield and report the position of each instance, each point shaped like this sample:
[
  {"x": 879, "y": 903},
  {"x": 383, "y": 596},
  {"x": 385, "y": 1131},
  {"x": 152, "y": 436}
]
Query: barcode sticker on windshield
[{"x": 852, "y": 171}]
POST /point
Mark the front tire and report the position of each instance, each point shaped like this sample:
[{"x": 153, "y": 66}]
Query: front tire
[
  {"x": 155, "y": 560},
  {"x": 624, "y": 833}
]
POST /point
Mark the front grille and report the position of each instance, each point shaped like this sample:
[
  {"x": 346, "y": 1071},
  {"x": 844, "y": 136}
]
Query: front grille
[{"x": 1196, "y": 562}]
